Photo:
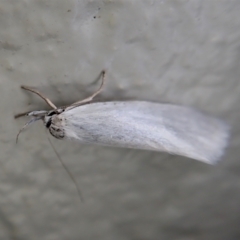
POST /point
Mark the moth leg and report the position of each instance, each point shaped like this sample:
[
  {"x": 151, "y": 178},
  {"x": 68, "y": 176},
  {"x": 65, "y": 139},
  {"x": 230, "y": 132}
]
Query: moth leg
[
  {"x": 48, "y": 101},
  {"x": 31, "y": 113},
  {"x": 89, "y": 99},
  {"x": 27, "y": 124},
  {"x": 21, "y": 114}
]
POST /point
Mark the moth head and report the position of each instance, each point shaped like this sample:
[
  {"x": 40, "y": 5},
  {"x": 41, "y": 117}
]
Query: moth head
[
  {"x": 47, "y": 120},
  {"x": 48, "y": 116},
  {"x": 45, "y": 116},
  {"x": 53, "y": 123}
]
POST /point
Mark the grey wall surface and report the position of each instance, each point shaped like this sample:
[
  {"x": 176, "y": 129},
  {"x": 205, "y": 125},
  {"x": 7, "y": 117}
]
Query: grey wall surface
[{"x": 176, "y": 51}]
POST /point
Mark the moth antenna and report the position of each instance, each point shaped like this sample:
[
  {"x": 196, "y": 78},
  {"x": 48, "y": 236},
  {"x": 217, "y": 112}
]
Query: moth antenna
[
  {"x": 89, "y": 99},
  {"x": 47, "y": 100},
  {"x": 68, "y": 171},
  {"x": 27, "y": 124}
]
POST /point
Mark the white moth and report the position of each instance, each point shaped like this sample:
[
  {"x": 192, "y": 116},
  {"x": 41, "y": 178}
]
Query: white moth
[{"x": 136, "y": 124}]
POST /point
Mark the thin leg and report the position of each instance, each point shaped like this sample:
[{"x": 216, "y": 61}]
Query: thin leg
[
  {"x": 67, "y": 170},
  {"x": 48, "y": 101},
  {"x": 27, "y": 124},
  {"x": 31, "y": 113},
  {"x": 89, "y": 99},
  {"x": 21, "y": 114}
]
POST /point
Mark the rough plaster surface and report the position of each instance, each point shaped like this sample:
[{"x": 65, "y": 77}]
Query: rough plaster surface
[{"x": 183, "y": 52}]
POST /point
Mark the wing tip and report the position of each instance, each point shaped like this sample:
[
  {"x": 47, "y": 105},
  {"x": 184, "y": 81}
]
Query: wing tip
[{"x": 221, "y": 146}]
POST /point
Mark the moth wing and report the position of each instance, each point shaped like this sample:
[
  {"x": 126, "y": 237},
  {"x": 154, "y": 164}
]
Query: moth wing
[{"x": 151, "y": 126}]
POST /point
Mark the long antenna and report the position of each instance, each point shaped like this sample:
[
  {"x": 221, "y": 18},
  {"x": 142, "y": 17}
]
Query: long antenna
[
  {"x": 68, "y": 171},
  {"x": 89, "y": 99},
  {"x": 47, "y": 100}
]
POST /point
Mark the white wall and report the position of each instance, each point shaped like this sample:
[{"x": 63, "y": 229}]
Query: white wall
[{"x": 183, "y": 52}]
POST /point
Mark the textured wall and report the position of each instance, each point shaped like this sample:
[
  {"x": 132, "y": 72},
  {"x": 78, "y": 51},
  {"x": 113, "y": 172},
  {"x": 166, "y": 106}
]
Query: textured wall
[{"x": 183, "y": 52}]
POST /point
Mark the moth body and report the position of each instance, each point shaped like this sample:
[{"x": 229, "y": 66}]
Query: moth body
[
  {"x": 136, "y": 124},
  {"x": 143, "y": 125}
]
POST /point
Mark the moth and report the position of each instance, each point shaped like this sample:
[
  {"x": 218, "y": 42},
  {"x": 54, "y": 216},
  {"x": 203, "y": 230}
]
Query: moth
[{"x": 174, "y": 129}]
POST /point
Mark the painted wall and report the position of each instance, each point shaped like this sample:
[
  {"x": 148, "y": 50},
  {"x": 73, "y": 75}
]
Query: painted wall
[{"x": 182, "y": 52}]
